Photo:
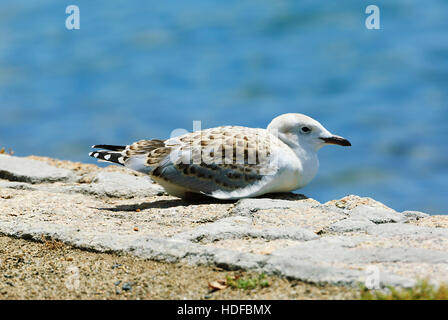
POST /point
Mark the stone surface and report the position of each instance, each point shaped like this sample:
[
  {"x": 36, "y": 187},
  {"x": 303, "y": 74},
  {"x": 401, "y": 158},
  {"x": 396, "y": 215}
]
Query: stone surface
[
  {"x": 350, "y": 225},
  {"x": 119, "y": 185},
  {"x": 240, "y": 227},
  {"x": 31, "y": 171},
  {"x": 305, "y": 213},
  {"x": 414, "y": 215},
  {"x": 376, "y": 215},
  {"x": 107, "y": 209}
]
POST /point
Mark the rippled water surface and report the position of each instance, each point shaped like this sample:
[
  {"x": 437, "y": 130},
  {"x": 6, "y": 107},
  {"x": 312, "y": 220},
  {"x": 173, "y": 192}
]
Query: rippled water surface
[{"x": 139, "y": 69}]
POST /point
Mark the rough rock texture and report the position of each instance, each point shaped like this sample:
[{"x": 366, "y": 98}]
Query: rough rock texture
[
  {"x": 111, "y": 209},
  {"x": 31, "y": 171},
  {"x": 119, "y": 185}
]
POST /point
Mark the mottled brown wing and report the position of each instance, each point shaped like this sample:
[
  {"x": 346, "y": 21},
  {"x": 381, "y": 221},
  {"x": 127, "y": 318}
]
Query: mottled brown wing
[{"x": 224, "y": 158}]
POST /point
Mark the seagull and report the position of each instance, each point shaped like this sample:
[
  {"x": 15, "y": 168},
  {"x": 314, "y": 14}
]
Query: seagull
[{"x": 230, "y": 162}]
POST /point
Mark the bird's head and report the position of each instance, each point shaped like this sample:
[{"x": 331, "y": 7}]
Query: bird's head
[{"x": 298, "y": 130}]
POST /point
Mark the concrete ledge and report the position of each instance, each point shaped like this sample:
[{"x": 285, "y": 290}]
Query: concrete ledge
[{"x": 109, "y": 210}]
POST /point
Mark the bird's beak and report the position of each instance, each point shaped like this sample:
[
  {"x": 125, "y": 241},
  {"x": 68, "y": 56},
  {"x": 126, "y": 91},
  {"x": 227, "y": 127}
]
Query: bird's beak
[{"x": 337, "y": 140}]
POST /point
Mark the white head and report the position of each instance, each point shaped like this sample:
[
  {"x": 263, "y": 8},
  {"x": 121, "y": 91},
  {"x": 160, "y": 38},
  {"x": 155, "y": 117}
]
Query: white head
[{"x": 300, "y": 131}]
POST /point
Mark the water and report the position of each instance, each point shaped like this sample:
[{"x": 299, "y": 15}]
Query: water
[{"x": 139, "y": 69}]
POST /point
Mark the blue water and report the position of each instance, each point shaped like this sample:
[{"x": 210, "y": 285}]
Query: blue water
[{"x": 139, "y": 69}]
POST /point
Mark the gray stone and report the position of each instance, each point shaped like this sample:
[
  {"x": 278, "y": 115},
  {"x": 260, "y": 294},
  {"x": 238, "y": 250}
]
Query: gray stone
[
  {"x": 17, "y": 185},
  {"x": 293, "y": 267},
  {"x": 119, "y": 185},
  {"x": 305, "y": 213},
  {"x": 127, "y": 286},
  {"x": 276, "y": 236},
  {"x": 407, "y": 230},
  {"x": 32, "y": 171},
  {"x": 341, "y": 251},
  {"x": 300, "y": 262},
  {"x": 414, "y": 215},
  {"x": 352, "y": 201},
  {"x": 350, "y": 225},
  {"x": 239, "y": 227},
  {"x": 376, "y": 214},
  {"x": 246, "y": 207}
]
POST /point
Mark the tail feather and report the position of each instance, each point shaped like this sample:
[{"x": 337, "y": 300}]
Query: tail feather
[
  {"x": 109, "y": 147},
  {"x": 122, "y": 154},
  {"x": 109, "y": 156}
]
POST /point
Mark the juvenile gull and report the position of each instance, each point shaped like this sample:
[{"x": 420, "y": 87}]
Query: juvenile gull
[{"x": 230, "y": 162}]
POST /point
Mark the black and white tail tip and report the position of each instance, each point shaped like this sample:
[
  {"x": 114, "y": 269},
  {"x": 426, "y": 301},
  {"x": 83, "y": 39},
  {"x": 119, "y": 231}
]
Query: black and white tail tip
[{"x": 114, "y": 155}]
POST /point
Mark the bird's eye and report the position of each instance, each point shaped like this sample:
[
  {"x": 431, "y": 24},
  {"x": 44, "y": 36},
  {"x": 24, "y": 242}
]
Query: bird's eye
[{"x": 306, "y": 129}]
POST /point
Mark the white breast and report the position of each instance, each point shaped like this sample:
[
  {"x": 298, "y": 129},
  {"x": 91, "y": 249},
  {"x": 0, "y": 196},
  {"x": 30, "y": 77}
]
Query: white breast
[{"x": 295, "y": 170}]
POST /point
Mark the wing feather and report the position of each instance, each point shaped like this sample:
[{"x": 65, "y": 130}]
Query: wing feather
[{"x": 224, "y": 162}]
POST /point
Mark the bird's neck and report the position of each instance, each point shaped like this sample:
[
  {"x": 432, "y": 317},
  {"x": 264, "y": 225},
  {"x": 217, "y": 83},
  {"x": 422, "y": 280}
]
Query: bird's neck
[{"x": 309, "y": 163}]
